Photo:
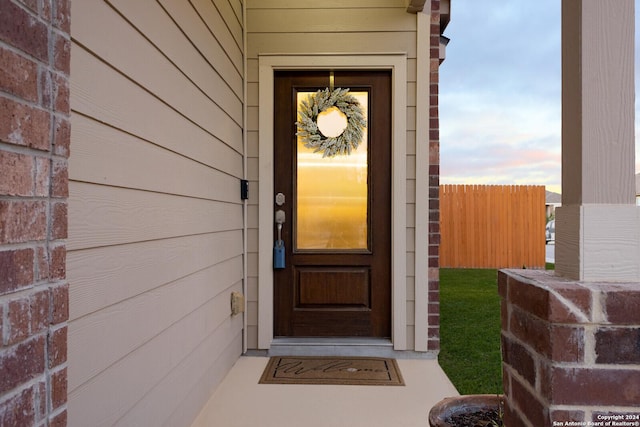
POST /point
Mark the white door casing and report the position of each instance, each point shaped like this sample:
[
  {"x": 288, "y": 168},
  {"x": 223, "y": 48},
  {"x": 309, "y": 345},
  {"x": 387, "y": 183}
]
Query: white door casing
[{"x": 397, "y": 63}]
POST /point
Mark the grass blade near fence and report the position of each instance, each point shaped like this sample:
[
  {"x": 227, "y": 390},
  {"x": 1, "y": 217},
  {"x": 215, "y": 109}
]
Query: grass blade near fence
[{"x": 470, "y": 330}]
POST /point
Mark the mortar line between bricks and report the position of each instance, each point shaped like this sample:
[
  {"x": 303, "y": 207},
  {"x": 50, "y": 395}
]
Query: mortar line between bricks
[
  {"x": 601, "y": 366},
  {"x": 28, "y": 151},
  {"x": 22, "y": 101},
  {"x": 23, "y": 54}
]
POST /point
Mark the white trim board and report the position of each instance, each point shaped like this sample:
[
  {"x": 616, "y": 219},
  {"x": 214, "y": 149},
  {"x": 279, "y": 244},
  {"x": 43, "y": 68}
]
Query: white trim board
[{"x": 268, "y": 63}]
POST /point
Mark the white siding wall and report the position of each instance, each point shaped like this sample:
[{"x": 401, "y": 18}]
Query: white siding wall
[
  {"x": 155, "y": 219},
  {"x": 330, "y": 26}
]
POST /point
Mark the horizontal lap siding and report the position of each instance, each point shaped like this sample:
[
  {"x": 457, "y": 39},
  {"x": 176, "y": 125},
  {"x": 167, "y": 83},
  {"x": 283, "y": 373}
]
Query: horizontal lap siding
[
  {"x": 332, "y": 26},
  {"x": 155, "y": 220}
]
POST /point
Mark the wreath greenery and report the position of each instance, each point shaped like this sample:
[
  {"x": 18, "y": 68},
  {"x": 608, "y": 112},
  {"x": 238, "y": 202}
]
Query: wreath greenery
[{"x": 320, "y": 101}]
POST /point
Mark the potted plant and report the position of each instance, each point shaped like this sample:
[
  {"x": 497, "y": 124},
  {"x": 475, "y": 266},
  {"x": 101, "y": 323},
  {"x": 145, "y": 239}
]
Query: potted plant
[{"x": 474, "y": 410}]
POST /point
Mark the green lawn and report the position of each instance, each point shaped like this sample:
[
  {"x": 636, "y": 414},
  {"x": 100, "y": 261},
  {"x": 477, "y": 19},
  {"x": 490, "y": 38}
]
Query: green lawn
[{"x": 470, "y": 330}]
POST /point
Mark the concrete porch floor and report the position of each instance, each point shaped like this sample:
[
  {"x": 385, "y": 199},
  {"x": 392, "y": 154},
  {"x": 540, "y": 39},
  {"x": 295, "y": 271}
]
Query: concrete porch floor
[{"x": 241, "y": 402}]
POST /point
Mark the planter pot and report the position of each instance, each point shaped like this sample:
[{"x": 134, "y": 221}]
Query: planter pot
[{"x": 459, "y": 405}]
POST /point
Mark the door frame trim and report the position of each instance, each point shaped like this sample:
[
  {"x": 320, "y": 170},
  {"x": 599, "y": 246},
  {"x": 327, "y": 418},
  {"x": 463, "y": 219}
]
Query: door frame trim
[{"x": 397, "y": 63}]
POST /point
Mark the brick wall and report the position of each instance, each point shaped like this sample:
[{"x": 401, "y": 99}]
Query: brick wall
[
  {"x": 434, "y": 180},
  {"x": 34, "y": 147},
  {"x": 571, "y": 351}
]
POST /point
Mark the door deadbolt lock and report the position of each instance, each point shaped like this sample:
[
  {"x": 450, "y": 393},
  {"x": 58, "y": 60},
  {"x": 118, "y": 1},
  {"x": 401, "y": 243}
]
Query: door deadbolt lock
[{"x": 280, "y": 199}]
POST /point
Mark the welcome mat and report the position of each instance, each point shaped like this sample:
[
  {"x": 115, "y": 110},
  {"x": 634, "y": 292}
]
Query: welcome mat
[{"x": 332, "y": 370}]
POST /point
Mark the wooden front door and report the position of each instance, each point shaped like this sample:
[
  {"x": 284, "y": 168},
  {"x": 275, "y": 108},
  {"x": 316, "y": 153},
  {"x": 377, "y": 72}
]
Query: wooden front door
[{"x": 337, "y": 230}]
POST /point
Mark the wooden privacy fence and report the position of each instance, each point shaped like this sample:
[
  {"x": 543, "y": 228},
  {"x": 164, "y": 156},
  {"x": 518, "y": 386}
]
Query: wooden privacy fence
[{"x": 492, "y": 226}]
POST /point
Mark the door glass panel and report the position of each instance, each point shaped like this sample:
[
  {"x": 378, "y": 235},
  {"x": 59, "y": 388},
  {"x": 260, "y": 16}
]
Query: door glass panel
[{"x": 332, "y": 195}]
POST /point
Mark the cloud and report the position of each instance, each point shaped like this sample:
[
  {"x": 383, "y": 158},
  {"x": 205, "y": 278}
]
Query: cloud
[{"x": 500, "y": 93}]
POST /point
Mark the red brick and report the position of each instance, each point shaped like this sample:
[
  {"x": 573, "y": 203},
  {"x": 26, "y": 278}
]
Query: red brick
[
  {"x": 42, "y": 263},
  {"x": 512, "y": 418},
  {"x": 434, "y": 308},
  {"x": 18, "y": 321},
  {"x": 23, "y": 221},
  {"x": 530, "y": 298},
  {"x": 60, "y": 304},
  {"x": 59, "y": 220},
  {"x": 55, "y": 91},
  {"x": 45, "y": 13},
  {"x": 21, "y": 363},
  {"x": 46, "y": 87},
  {"x": 562, "y": 416},
  {"x": 21, "y": 124},
  {"x": 567, "y": 343},
  {"x": 433, "y": 332},
  {"x": 18, "y": 410},
  {"x": 21, "y": 29},
  {"x": 434, "y": 250},
  {"x": 16, "y": 178},
  {"x": 434, "y": 238},
  {"x": 58, "y": 263},
  {"x": 545, "y": 370},
  {"x": 43, "y": 172},
  {"x": 60, "y": 179},
  {"x": 622, "y": 307},
  {"x": 57, "y": 347},
  {"x": 504, "y": 316},
  {"x": 618, "y": 346},
  {"x": 59, "y": 420},
  {"x": 503, "y": 281},
  {"x": 528, "y": 403},
  {"x": 40, "y": 400},
  {"x": 519, "y": 358},
  {"x": 595, "y": 387},
  {"x": 62, "y": 15},
  {"x": 39, "y": 310},
  {"x": 61, "y": 137},
  {"x": 506, "y": 381},
  {"x": 62, "y": 54},
  {"x": 434, "y": 320},
  {"x": 61, "y": 94},
  {"x": 18, "y": 76},
  {"x": 579, "y": 296},
  {"x": 17, "y": 269},
  {"x": 433, "y": 123},
  {"x": 31, "y": 4},
  {"x": 433, "y": 345},
  {"x": 531, "y": 330},
  {"x": 58, "y": 388},
  {"x": 558, "y": 342}
]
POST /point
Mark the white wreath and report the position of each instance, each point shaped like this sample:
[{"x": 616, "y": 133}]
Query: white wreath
[{"x": 320, "y": 101}]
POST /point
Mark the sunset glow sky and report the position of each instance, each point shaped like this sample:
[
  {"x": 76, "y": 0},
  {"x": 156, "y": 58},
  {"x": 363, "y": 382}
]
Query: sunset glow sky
[{"x": 500, "y": 94}]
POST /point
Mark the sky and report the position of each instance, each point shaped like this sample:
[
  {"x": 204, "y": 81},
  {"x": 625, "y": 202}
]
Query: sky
[{"x": 500, "y": 94}]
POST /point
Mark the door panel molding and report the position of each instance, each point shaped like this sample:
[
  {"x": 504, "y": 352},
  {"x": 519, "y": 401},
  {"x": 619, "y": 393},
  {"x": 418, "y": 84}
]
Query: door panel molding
[{"x": 267, "y": 64}]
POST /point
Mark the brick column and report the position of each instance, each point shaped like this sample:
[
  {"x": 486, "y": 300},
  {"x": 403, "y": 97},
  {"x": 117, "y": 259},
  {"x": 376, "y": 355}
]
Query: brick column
[
  {"x": 570, "y": 350},
  {"x": 34, "y": 147},
  {"x": 434, "y": 180},
  {"x": 571, "y": 344}
]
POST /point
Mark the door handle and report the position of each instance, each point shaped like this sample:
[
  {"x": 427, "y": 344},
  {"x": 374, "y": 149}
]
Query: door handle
[
  {"x": 278, "y": 249},
  {"x": 280, "y": 219}
]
